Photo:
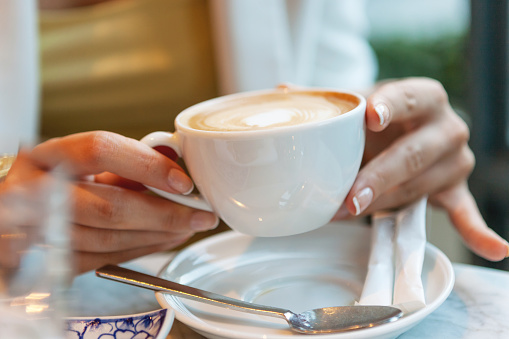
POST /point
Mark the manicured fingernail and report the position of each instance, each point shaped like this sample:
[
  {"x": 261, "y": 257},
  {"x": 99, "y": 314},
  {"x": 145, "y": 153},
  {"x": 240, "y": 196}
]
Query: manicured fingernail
[
  {"x": 383, "y": 113},
  {"x": 362, "y": 200},
  {"x": 507, "y": 255},
  {"x": 180, "y": 182},
  {"x": 203, "y": 221}
]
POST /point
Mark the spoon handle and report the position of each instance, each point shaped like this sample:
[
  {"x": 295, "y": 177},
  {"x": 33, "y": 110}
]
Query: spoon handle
[{"x": 130, "y": 277}]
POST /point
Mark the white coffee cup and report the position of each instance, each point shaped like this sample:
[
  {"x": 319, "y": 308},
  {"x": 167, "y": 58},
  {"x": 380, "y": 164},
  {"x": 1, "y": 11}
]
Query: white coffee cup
[{"x": 269, "y": 180}]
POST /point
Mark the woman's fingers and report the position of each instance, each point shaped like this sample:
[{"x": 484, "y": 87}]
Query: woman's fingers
[
  {"x": 98, "y": 205},
  {"x": 446, "y": 173},
  {"x": 466, "y": 218},
  {"x": 419, "y": 146},
  {"x": 406, "y": 159},
  {"x": 104, "y": 206},
  {"x": 86, "y": 261},
  {"x": 96, "y": 152},
  {"x": 110, "y": 223},
  {"x": 429, "y": 131},
  {"x": 408, "y": 100},
  {"x": 100, "y": 240}
]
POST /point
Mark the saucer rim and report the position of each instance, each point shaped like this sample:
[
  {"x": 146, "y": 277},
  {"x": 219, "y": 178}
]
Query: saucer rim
[{"x": 386, "y": 331}]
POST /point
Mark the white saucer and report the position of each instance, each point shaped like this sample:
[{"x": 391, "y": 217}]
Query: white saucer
[{"x": 325, "y": 267}]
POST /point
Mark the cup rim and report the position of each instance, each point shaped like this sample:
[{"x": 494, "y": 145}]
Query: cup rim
[{"x": 359, "y": 109}]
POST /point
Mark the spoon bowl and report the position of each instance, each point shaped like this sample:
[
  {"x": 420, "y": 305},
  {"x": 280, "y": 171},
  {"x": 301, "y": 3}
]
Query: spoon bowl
[{"x": 321, "y": 320}]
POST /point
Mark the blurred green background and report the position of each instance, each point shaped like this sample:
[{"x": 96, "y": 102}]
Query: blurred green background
[
  {"x": 443, "y": 58},
  {"x": 422, "y": 38}
]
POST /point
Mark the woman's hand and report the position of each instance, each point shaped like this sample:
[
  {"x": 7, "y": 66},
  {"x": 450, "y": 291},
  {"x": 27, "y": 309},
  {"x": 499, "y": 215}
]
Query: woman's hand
[
  {"x": 112, "y": 220},
  {"x": 417, "y": 145}
]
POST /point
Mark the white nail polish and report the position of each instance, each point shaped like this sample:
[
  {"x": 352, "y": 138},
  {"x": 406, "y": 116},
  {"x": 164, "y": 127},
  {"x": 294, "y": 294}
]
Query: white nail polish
[
  {"x": 356, "y": 204},
  {"x": 380, "y": 110},
  {"x": 362, "y": 200}
]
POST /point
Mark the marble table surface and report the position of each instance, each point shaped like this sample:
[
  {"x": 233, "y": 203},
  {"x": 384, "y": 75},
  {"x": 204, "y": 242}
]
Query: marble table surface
[{"x": 478, "y": 306}]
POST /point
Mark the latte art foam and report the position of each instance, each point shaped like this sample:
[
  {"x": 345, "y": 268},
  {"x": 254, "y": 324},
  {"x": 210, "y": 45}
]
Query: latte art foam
[{"x": 270, "y": 111}]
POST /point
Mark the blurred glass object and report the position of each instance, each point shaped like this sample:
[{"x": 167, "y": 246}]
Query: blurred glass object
[
  {"x": 35, "y": 269},
  {"x": 6, "y": 161}
]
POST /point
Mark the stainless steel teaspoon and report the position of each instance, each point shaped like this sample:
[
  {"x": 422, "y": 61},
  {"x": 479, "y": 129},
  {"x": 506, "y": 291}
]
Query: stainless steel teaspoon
[{"x": 320, "y": 320}]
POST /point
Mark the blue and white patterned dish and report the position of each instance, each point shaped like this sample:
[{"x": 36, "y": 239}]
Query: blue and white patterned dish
[{"x": 150, "y": 325}]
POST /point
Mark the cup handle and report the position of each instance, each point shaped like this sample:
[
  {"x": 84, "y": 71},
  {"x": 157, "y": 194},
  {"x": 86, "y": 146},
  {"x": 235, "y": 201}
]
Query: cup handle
[{"x": 167, "y": 139}]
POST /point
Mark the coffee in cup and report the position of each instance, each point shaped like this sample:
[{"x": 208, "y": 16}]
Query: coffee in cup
[
  {"x": 270, "y": 111},
  {"x": 270, "y": 163}
]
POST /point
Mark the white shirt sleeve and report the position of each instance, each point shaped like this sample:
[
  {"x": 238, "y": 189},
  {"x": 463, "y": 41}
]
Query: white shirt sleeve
[{"x": 261, "y": 43}]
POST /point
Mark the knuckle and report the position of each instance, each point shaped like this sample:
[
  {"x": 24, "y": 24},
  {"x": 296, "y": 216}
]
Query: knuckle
[
  {"x": 467, "y": 160},
  {"x": 457, "y": 130},
  {"x": 149, "y": 163},
  {"x": 409, "y": 96},
  {"x": 379, "y": 180},
  {"x": 170, "y": 219},
  {"x": 410, "y": 100},
  {"x": 412, "y": 90},
  {"x": 439, "y": 92},
  {"x": 105, "y": 210},
  {"x": 108, "y": 210},
  {"x": 97, "y": 146},
  {"x": 463, "y": 130},
  {"x": 175, "y": 218},
  {"x": 414, "y": 158}
]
